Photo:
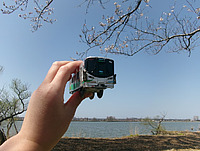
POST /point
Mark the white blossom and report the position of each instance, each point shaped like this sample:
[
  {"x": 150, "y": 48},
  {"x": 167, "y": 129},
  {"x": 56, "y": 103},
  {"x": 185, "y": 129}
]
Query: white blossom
[
  {"x": 102, "y": 24},
  {"x": 118, "y": 6}
]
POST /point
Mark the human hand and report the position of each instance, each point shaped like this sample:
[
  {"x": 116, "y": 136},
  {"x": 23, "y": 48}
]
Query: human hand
[{"x": 48, "y": 117}]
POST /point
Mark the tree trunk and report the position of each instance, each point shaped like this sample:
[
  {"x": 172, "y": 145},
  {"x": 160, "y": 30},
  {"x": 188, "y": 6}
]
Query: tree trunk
[{"x": 2, "y": 137}]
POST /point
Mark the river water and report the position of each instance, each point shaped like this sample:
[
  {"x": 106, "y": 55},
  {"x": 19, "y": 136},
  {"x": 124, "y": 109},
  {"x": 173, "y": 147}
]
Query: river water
[{"x": 118, "y": 129}]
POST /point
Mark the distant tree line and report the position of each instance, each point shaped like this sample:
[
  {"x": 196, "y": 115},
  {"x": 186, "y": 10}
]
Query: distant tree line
[{"x": 114, "y": 119}]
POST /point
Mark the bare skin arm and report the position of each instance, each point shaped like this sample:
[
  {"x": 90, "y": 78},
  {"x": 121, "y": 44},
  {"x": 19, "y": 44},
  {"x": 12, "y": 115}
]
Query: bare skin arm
[{"x": 47, "y": 117}]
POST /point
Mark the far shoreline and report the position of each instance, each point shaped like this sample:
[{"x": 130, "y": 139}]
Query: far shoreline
[{"x": 113, "y": 119}]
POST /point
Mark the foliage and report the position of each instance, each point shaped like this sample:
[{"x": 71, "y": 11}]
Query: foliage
[
  {"x": 111, "y": 119},
  {"x": 13, "y": 104}
]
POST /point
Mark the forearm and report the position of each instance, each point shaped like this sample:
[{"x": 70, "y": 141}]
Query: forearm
[{"x": 18, "y": 143}]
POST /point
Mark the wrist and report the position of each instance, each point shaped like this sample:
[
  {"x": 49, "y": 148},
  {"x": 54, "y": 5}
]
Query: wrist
[{"x": 19, "y": 143}]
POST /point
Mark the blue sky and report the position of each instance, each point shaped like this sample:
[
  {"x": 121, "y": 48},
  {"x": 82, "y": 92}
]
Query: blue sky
[{"x": 147, "y": 85}]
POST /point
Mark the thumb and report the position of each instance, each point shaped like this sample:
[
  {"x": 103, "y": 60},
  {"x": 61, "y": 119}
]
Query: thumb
[{"x": 75, "y": 100}]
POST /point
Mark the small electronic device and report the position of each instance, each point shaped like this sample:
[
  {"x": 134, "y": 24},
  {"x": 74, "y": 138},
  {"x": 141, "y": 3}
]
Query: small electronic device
[{"x": 95, "y": 75}]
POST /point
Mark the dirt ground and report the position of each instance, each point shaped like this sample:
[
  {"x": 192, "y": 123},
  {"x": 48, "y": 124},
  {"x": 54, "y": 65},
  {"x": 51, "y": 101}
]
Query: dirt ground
[{"x": 181, "y": 141}]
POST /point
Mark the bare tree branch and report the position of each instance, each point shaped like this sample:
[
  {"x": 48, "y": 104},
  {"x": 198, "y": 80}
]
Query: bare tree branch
[
  {"x": 129, "y": 30},
  {"x": 177, "y": 31},
  {"x": 1, "y": 69},
  {"x": 13, "y": 106},
  {"x": 91, "y": 2},
  {"x": 39, "y": 14},
  {"x": 155, "y": 124},
  {"x": 18, "y": 4},
  {"x": 113, "y": 26}
]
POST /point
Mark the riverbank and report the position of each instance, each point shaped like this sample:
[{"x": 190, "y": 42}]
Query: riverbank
[{"x": 175, "y": 141}]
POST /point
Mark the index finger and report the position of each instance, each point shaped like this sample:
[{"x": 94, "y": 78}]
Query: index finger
[
  {"x": 53, "y": 70},
  {"x": 64, "y": 73}
]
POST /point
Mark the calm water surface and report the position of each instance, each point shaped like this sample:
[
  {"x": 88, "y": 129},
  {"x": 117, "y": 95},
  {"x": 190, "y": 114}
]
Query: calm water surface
[{"x": 117, "y": 129}]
